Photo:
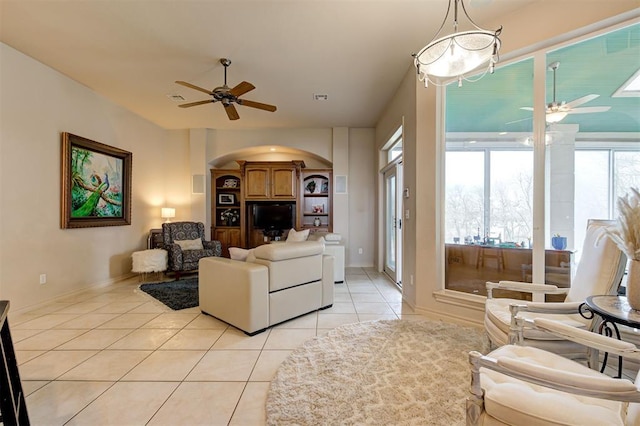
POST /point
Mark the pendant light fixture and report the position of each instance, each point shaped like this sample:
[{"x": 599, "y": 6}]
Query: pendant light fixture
[{"x": 459, "y": 53}]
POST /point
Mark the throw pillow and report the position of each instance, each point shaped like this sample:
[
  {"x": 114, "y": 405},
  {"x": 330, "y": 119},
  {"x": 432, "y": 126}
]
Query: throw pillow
[
  {"x": 295, "y": 236},
  {"x": 190, "y": 244},
  {"x": 237, "y": 253}
]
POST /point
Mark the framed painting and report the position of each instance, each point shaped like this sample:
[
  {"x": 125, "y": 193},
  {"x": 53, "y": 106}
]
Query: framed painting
[{"x": 96, "y": 184}]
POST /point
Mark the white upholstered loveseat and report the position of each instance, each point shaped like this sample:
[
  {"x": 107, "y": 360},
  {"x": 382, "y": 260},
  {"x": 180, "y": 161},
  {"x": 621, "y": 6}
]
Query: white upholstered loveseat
[{"x": 278, "y": 282}]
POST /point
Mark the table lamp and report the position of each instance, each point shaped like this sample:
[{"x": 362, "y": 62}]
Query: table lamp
[{"x": 168, "y": 213}]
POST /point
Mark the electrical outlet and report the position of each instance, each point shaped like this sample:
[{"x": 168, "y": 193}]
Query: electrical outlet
[
  {"x": 411, "y": 279},
  {"x": 43, "y": 278},
  {"x": 360, "y": 250}
]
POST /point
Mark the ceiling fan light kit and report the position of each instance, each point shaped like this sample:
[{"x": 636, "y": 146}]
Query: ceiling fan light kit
[
  {"x": 227, "y": 96},
  {"x": 555, "y": 117},
  {"x": 459, "y": 53}
]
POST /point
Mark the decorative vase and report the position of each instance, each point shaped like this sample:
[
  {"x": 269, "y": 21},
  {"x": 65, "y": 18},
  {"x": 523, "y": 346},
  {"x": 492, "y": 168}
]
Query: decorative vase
[
  {"x": 559, "y": 243},
  {"x": 633, "y": 284}
]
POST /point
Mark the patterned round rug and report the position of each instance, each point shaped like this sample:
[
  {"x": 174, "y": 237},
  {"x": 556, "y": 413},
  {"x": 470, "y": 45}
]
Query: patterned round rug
[{"x": 377, "y": 373}]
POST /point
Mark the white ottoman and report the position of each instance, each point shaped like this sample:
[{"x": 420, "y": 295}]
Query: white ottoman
[
  {"x": 334, "y": 247},
  {"x": 149, "y": 261},
  {"x": 337, "y": 251}
]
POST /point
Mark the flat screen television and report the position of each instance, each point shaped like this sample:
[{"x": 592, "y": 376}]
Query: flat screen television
[{"x": 273, "y": 216}]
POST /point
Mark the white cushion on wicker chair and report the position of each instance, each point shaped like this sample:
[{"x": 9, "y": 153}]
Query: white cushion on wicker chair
[{"x": 513, "y": 401}]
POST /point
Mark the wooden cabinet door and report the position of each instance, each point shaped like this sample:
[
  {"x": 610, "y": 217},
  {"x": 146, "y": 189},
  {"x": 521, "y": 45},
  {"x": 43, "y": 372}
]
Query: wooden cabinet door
[
  {"x": 228, "y": 237},
  {"x": 256, "y": 182},
  {"x": 222, "y": 235},
  {"x": 234, "y": 238},
  {"x": 284, "y": 182}
]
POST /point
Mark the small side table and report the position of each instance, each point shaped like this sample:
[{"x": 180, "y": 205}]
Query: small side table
[
  {"x": 613, "y": 310},
  {"x": 149, "y": 261}
]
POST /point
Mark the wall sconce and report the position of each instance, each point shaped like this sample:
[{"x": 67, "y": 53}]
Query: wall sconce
[{"x": 168, "y": 213}]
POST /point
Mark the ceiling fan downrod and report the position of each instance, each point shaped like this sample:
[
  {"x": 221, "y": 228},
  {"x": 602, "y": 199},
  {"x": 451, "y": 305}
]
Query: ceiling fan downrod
[{"x": 225, "y": 62}]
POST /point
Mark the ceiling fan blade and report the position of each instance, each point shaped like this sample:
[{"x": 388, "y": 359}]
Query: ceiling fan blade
[
  {"x": 518, "y": 121},
  {"x": 258, "y": 105},
  {"x": 231, "y": 112},
  {"x": 190, "y": 104},
  {"x": 580, "y": 101},
  {"x": 192, "y": 86},
  {"x": 585, "y": 110},
  {"x": 242, "y": 88}
]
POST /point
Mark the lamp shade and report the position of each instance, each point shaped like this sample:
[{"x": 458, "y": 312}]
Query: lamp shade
[
  {"x": 457, "y": 54},
  {"x": 168, "y": 213}
]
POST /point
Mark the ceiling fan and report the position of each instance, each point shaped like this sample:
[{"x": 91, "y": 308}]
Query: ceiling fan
[
  {"x": 228, "y": 96},
  {"x": 556, "y": 111}
]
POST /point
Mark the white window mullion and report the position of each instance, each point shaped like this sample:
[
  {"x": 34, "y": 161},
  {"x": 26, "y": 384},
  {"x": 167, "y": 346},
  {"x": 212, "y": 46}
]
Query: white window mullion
[
  {"x": 539, "y": 170},
  {"x": 487, "y": 194}
]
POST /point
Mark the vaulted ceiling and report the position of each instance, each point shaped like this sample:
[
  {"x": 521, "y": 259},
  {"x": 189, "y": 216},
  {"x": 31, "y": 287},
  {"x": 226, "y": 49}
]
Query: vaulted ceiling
[{"x": 355, "y": 52}]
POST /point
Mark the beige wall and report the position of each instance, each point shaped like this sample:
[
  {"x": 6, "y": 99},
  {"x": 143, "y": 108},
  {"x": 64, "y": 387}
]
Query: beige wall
[
  {"x": 361, "y": 198},
  {"x": 36, "y": 105},
  {"x": 417, "y": 106}
]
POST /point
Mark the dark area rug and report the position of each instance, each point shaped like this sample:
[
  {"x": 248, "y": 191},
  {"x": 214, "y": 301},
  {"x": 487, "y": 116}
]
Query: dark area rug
[{"x": 179, "y": 294}]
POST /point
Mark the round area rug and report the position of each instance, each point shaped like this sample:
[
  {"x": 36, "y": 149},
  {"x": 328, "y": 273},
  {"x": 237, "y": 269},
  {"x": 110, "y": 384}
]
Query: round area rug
[{"x": 387, "y": 372}]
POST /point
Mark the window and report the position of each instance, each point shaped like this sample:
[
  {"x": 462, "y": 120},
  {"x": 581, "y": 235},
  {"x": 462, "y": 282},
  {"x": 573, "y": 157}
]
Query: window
[
  {"x": 601, "y": 176},
  {"x": 464, "y": 196},
  {"x": 591, "y": 157},
  {"x": 511, "y": 196},
  {"x": 394, "y": 146}
]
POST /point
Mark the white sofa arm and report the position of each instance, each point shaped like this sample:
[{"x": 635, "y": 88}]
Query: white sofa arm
[{"x": 235, "y": 292}]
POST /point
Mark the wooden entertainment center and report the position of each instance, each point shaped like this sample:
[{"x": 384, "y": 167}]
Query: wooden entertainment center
[{"x": 236, "y": 194}]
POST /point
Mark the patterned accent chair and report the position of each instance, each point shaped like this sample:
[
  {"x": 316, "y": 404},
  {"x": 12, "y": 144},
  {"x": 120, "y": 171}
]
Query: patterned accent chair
[{"x": 183, "y": 260}]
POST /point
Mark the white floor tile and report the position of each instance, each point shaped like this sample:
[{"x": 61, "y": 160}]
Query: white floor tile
[
  {"x": 49, "y": 340},
  {"x": 57, "y": 402},
  {"x": 251, "y": 407},
  {"x": 113, "y": 355},
  {"x": 200, "y": 403},
  {"x": 281, "y": 338},
  {"x": 125, "y": 403},
  {"x": 193, "y": 339},
  {"x": 144, "y": 339},
  {"x": 53, "y": 364},
  {"x": 233, "y": 338},
  {"x": 165, "y": 365},
  {"x": 106, "y": 365},
  {"x": 268, "y": 364},
  {"x": 225, "y": 366}
]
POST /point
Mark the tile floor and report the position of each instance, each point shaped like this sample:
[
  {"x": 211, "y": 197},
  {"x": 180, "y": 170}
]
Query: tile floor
[{"x": 115, "y": 356}]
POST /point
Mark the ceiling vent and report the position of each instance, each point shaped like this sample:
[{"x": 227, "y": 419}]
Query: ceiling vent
[
  {"x": 176, "y": 98},
  {"x": 320, "y": 97}
]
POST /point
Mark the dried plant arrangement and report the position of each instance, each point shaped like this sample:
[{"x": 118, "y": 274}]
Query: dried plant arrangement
[{"x": 626, "y": 234}]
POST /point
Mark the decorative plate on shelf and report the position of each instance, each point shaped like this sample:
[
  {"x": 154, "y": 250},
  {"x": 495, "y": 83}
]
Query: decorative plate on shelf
[{"x": 230, "y": 183}]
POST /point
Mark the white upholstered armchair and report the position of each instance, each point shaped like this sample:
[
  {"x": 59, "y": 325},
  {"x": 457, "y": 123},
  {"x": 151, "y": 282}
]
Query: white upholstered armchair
[
  {"x": 518, "y": 385},
  {"x": 599, "y": 272}
]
